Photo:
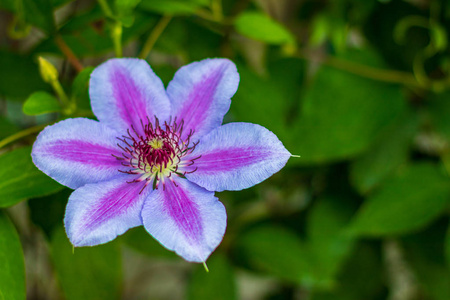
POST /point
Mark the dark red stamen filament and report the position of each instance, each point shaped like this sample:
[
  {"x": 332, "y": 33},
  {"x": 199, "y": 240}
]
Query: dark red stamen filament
[{"x": 157, "y": 153}]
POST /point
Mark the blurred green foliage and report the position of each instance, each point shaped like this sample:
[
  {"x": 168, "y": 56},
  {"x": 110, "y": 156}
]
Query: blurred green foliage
[{"x": 360, "y": 89}]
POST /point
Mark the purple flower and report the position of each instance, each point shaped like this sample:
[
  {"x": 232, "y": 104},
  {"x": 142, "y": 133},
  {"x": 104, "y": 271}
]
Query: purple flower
[{"x": 156, "y": 156}]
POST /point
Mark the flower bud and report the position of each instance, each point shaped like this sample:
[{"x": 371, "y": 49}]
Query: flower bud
[{"x": 48, "y": 71}]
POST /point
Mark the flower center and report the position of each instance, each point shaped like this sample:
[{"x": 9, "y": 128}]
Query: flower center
[{"x": 157, "y": 153}]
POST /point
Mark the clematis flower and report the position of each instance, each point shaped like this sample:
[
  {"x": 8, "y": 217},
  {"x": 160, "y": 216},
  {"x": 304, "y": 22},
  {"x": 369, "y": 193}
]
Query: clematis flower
[{"x": 156, "y": 156}]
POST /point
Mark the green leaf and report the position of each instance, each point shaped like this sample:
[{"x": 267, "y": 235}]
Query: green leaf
[
  {"x": 342, "y": 114},
  {"x": 276, "y": 251},
  {"x": 80, "y": 88},
  {"x": 126, "y": 6},
  {"x": 327, "y": 241},
  {"x": 409, "y": 200},
  {"x": 439, "y": 109},
  {"x": 87, "y": 34},
  {"x": 37, "y": 12},
  {"x": 257, "y": 101},
  {"x": 362, "y": 277},
  {"x": 57, "y": 3},
  {"x": 389, "y": 151},
  {"x": 20, "y": 179},
  {"x": 261, "y": 27},
  {"x": 88, "y": 273},
  {"x": 425, "y": 253},
  {"x": 140, "y": 240},
  {"x": 447, "y": 246},
  {"x": 41, "y": 103},
  {"x": 19, "y": 76},
  {"x": 219, "y": 283},
  {"x": 48, "y": 211},
  {"x": 7, "y": 127},
  {"x": 172, "y": 7},
  {"x": 12, "y": 271},
  {"x": 124, "y": 9}
]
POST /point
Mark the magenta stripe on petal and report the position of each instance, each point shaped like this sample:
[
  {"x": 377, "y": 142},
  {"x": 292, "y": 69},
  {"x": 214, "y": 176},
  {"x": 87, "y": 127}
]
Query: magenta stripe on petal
[
  {"x": 184, "y": 212},
  {"x": 124, "y": 92},
  {"x": 230, "y": 159},
  {"x": 185, "y": 218},
  {"x": 199, "y": 101},
  {"x": 128, "y": 97},
  {"x": 201, "y": 93},
  {"x": 75, "y": 152},
  {"x": 86, "y": 153},
  {"x": 97, "y": 213},
  {"x": 236, "y": 156}
]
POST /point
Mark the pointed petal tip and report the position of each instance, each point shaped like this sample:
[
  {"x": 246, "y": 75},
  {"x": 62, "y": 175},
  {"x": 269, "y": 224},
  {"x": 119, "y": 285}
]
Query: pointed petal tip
[{"x": 237, "y": 156}]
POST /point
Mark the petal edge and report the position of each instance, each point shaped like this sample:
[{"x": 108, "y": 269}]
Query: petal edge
[
  {"x": 237, "y": 156},
  {"x": 186, "y": 219}
]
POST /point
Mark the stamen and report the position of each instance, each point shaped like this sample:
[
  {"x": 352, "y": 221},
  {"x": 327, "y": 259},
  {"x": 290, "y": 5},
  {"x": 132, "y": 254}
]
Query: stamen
[{"x": 157, "y": 152}]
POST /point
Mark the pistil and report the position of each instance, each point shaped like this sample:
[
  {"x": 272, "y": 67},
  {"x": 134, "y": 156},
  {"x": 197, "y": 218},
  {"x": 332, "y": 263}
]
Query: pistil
[{"x": 157, "y": 154}]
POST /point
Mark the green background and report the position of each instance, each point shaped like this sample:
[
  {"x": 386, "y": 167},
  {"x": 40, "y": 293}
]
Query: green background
[{"x": 360, "y": 89}]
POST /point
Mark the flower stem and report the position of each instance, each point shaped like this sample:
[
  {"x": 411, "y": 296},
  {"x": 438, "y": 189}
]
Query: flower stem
[
  {"x": 154, "y": 35},
  {"x": 21, "y": 134},
  {"x": 216, "y": 8},
  {"x": 69, "y": 107},
  {"x": 116, "y": 34},
  {"x": 71, "y": 57},
  {"x": 106, "y": 9},
  {"x": 116, "y": 27},
  {"x": 61, "y": 93}
]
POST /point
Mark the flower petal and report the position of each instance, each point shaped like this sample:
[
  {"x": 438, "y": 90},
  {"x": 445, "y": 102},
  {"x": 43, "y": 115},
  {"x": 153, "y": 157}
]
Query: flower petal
[
  {"x": 186, "y": 219},
  {"x": 77, "y": 151},
  {"x": 125, "y": 91},
  {"x": 236, "y": 156},
  {"x": 201, "y": 93},
  {"x": 97, "y": 213}
]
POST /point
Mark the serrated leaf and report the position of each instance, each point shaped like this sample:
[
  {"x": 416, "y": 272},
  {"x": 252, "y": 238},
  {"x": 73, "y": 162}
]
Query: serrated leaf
[
  {"x": 12, "y": 271},
  {"x": 87, "y": 273},
  {"x": 409, "y": 200},
  {"x": 219, "y": 283},
  {"x": 20, "y": 179},
  {"x": 261, "y": 27},
  {"x": 41, "y": 103}
]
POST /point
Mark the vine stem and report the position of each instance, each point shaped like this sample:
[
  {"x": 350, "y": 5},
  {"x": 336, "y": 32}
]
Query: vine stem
[
  {"x": 390, "y": 76},
  {"x": 71, "y": 57},
  {"x": 154, "y": 35},
  {"x": 21, "y": 134}
]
